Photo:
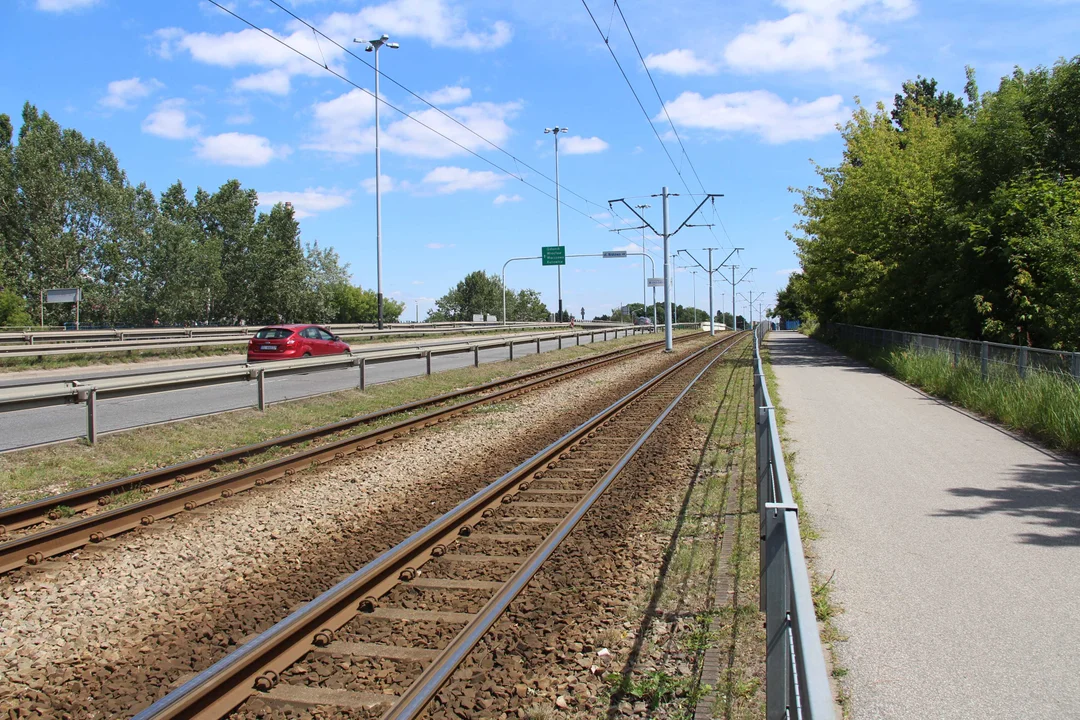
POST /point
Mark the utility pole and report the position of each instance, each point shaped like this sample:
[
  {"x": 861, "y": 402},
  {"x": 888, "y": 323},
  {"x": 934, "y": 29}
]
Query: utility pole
[
  {"x": 558, "y": 215},
  {"x": 710, "y": 269},
  {"x": 734, "y": 317},
  {"x": 694, "y": 273},
  {"x": 667, "y": 234},
  {"x": 373, "y": 46},
  {"x": 645, "y": 283}
]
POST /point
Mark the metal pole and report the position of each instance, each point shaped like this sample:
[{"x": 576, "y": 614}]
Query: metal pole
[
  {"x": 504, "y": 290},
  {"x": 558, "y": 220},
  {"x": 712, "y": 313},
  {"x": 668, "y": 278},
  {"x": 261, "y": 378},
  {"x": 378, "y": 195},
  {"x": 78, "y": 296},
  {"x": 41, "y": 300},
  {"x": 694, "y": 273},
  {"x": 91, "y": 416},
  {"x": 734, "y": 320}
]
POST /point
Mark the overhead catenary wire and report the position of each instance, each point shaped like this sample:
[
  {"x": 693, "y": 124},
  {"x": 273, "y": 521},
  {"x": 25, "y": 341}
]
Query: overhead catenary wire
[
  {"x": 390, "y": 105},
  {"x": 663, "y": 106}
]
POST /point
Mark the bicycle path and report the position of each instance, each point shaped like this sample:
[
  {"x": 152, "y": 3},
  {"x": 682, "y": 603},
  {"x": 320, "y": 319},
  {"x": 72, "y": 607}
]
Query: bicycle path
[{"x": 953, "y": 546}]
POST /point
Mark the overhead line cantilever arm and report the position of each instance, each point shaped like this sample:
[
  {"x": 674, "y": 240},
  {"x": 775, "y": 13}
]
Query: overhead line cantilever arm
[
  {"x": 649, "y": 225},
  {"x": 707, "y": 197}
]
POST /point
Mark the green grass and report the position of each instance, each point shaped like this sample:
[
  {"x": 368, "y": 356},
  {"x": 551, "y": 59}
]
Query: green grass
[
  {"x": 39, "y": 472},
  {"x": 1043, "y": 405}
]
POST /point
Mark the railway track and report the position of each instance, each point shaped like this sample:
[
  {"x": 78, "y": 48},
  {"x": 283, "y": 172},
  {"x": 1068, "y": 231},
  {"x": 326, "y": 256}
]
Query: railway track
[
  {"x": 452, "y": 579},
  {"x": 186, "y": 486}
]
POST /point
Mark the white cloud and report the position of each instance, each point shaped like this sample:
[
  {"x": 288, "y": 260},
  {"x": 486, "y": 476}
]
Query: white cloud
[
  {"x": 439, "y": 246},
  {"x": 165, "y": 40},
  {"x": 307, "y": 203},
  {"x": 450, "y": 95},
  {"x": 432, "y": 20},
  {"x": 418, "y": 282},
  {"x": 64, "y": 5},
  {"x": 122, "y": 93},
  {"x": 275, "y": 82},
  {"x": 345, "y": 126},
  {"x": 501, "y": 199},
  {"x": 575, "y": 145},
  {"x": 816, "y": 35},
  {"x": 448, "y": 179},
  {"x": 680, "y": 62},
  {"x": 170, "y": 120},
  {"x": 244, "y": 118},
  {"x": 759, "y": 112},
  {"x": 388, "y": 184},
  {"x": 238, "y": 149}
]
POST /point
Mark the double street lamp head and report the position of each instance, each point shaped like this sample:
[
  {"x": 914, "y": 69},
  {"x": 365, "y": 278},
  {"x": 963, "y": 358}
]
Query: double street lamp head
[
  {"x": 556, "y": 130},
  {"x": 373, "y": 45}
]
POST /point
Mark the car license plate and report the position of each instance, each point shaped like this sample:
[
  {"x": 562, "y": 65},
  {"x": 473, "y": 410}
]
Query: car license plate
[{"x": 268, "y": 347}]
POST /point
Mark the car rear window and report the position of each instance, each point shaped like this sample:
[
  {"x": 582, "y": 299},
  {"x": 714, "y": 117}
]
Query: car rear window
[{"x": 273, "y": 333}]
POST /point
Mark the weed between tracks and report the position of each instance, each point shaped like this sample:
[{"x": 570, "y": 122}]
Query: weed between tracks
[
  {"x": 39, "y": 472},
  {"x": 700, "y": 643}
]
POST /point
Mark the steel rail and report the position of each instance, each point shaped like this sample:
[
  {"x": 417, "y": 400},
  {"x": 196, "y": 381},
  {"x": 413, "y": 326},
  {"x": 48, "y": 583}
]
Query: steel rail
[
  {"x": 257, "y": 665},
  {"x": 33, "y": 548}
]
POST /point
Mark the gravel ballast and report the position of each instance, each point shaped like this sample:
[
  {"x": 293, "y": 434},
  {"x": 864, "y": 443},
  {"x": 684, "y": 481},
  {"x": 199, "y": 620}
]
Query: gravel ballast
[{"x": 103, "y": 632}]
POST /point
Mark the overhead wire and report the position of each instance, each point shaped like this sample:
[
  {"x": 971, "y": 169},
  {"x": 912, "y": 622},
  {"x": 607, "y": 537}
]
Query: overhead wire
[{"x": 517, "y": 176}]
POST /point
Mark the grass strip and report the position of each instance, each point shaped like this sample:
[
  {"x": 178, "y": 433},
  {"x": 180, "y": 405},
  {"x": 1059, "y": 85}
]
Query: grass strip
[
  {"x": 1044, "y": 406},
  {"x": 38, "y": 472}
]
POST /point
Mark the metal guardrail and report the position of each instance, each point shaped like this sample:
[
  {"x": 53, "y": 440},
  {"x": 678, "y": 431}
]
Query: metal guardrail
[
  {"x": 86, "y": 342},
  {"x": 988, "y": 355},
  {"x": 796, "y": 679},
  {"x": 51, "y": 394}
]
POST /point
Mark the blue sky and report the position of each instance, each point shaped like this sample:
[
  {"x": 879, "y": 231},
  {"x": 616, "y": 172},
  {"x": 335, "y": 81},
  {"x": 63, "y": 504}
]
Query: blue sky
[{"x": 181, "y": 90}]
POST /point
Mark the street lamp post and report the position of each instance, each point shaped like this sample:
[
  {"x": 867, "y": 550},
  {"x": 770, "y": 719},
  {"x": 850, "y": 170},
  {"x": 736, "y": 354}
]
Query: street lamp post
[
  {"x": 373, "y": 47},
  {"x": 644, "y": 282},
  {"x": 694, "y": 273},
  {"x": 558, "y": 220}
]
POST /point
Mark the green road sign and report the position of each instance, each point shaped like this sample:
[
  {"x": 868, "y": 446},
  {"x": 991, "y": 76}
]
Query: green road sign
[{"x": 553, "y": 255}]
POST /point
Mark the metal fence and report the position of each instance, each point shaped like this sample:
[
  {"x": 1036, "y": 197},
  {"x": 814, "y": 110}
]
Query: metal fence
[
  {"x": 796, "y": 679},
  {"x": 991, "y": 358}
]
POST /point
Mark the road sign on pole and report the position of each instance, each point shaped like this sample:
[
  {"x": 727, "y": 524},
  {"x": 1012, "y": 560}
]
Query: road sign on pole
[
  {"x": 553, "y": 255},
  {"x": 614, "y": 253},
  {"x": 656, "y": 282}
]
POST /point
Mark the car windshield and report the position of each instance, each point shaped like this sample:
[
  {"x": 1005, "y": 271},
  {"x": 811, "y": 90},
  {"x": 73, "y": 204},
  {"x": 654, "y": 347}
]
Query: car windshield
[{"x": 273, "y": 333}]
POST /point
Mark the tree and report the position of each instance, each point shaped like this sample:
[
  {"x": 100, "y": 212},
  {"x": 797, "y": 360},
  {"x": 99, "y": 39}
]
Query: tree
[
  {"x": 480, "y": 294},
  {"x": 356, "y": 305},
  {"x": 792, "y": 302},
  {"x": 921, "y": 95},
  {"x": 13, "y": 310}
]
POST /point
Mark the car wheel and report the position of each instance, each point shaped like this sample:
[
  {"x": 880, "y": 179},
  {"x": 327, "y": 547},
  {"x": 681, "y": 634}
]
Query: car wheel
[{"x": 307, "y": 354}]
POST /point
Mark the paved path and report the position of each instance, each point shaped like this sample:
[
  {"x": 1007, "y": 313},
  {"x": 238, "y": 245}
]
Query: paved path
[{"x": 956, "y": 546}]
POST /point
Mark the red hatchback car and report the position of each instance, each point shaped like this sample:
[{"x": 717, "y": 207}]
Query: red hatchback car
[{"x": 288, "y": 342}]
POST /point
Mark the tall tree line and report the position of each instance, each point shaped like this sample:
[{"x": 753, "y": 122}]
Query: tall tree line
[
  {"x": 479, "y": 293},
  {"x": 70, "y": 218},
  {"x": 954, "y": 216}
]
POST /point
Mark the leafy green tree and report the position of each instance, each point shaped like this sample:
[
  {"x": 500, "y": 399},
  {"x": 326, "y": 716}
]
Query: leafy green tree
[
  {"x": 356, "y": 305},
  {"x": 921, "y": 95},
  {"x": 479, "y": 293},
  {"x": 13, "y": 310},
  {"x": 792, "y": 302}
]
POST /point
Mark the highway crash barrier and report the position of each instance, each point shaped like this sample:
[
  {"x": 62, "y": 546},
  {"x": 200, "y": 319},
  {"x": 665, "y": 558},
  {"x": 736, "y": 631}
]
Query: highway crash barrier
[{"x": 76, "y": 392}]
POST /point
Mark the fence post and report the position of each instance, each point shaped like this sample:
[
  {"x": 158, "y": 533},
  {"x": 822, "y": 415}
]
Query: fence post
[
  {"x": 537, "y": 346},
  {"x": 1023, "y": 362},
  {"x": 955, "y": 355},
  {"x": 778, "y": 606},
  {"x": 511, "y": 344},
  {"x": 363, "y": 374},
  {"x": 1076, "y": 365},
  {"x": 592, "y": 338},
  {"x": 577, "y": 339},
  {"x": 984, "y": 358},
  {"x": 261, "y": 380},
  {"x": 476, "y": 356},
  {"x": 427, "y": 357},
  {"x": 560, "y": 342},
  {"x": 91, "y": 416}
]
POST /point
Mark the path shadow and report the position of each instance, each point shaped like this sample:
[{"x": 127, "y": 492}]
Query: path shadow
[
  {"x": 1046, "y": 495},
  {"x": 794, "y": 349}
]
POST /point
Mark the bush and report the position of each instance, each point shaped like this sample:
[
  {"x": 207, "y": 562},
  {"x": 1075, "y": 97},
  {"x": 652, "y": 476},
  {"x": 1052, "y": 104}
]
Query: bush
[{"x": 13, "y": 310}]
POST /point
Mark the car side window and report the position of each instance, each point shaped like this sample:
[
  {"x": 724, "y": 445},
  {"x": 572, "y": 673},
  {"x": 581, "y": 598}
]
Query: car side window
[
  {"x": 309, "y": 333},
  {"x": 323, "y": 335}
]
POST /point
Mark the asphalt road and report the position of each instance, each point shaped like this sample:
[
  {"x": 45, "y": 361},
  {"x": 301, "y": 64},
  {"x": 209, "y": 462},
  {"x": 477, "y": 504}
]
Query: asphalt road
[
  {"x": 955, "y": 546},
  {"x": 24, "y": 428}
]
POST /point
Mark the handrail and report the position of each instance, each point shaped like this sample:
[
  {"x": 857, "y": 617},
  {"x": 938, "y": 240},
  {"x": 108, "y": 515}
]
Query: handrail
[
  {"x": 64, "y": 393},
  {"x": 796, "y": 679}
]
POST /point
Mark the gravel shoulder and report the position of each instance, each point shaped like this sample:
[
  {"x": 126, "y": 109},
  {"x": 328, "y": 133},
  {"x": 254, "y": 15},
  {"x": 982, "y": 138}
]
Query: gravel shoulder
[{"x": 103, "y": 632}]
